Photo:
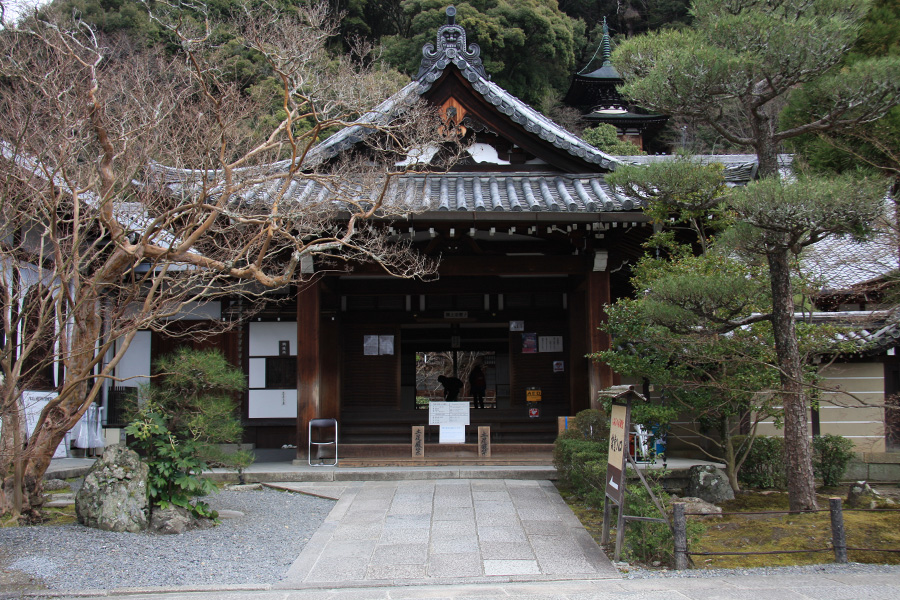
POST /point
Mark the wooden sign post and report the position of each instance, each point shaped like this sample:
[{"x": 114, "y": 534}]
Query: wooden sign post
[
  {"x": 620, "y": 423},
  {"x": 619, "y": 458}
]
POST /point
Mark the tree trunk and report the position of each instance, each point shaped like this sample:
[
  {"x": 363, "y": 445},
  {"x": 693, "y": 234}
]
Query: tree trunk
[
  {"x": 766, "y": 154},
  {"x": 797, "y": 446},
  {"x": 12, "y": 440},
  {"x": 730, "y": 459},
  {"x": 731, "y": 470},
  {"x": 58, "y": 417}
]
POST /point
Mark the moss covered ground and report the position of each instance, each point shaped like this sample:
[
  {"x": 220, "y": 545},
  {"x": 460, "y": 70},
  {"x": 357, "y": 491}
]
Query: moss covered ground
[{"x": 763, "y": 533}]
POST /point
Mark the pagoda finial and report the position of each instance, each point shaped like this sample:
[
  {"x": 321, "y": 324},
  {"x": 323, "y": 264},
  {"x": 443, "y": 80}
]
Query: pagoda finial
[{"x": 605, "y": 45}]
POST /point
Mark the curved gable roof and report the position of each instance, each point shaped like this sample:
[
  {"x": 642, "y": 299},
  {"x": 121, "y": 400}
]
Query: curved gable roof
[{"x": 452, "y": 51}]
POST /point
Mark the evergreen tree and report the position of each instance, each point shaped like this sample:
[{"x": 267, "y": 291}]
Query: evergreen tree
[{"x": 734, "y": 70}]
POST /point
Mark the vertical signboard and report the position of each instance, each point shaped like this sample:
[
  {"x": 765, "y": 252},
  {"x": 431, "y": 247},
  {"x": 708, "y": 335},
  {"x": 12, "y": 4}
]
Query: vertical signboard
[{"x": 618, "y": 439}]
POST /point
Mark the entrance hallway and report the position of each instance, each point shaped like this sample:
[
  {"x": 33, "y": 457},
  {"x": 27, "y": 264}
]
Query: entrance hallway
[{"x": 444, "y": 531}]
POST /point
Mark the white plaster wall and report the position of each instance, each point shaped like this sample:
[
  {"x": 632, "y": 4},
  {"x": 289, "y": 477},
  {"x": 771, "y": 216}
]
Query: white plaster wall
[
  {"x": 265, "y": 335},
  {"x": 134, "y": 368},
  {"x": 197, "y": 311}
]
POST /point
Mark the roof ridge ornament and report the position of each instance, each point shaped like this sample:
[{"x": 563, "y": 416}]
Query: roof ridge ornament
[
  {"x": 606, "y": 45},
  {"x": 451, "y": 48}
]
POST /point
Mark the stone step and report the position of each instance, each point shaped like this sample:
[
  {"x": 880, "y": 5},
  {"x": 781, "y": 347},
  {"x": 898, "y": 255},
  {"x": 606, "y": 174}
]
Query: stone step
[{"x": 59, "y": 500}]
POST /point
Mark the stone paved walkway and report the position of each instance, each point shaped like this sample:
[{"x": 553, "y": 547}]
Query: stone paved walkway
[{"x": 445, "y": 531}]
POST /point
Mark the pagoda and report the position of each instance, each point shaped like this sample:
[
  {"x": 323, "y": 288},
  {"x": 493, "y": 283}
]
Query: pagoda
[{"x": 594, "y": 93}]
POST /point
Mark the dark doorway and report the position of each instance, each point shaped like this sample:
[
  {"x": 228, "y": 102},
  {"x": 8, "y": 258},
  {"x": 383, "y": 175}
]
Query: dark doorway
[{"x": 460, "y": 363}]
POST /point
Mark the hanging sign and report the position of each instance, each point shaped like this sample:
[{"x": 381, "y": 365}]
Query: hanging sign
[{"x": 618, "y": 436}]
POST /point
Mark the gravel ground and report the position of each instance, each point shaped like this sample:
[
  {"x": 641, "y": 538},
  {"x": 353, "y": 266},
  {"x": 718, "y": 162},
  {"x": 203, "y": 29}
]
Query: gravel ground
[{"x": 255, "y": 548}]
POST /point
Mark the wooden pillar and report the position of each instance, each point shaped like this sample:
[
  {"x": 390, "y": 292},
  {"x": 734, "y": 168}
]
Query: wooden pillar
[
  {"x": 308, "y": 362},
  {"x": 598, "y": 296}
]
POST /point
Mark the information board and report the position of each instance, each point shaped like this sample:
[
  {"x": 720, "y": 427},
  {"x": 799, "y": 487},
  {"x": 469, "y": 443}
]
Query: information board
[
  {"x": 448, "y": 413},
  {"x": 618, "y": 437}
]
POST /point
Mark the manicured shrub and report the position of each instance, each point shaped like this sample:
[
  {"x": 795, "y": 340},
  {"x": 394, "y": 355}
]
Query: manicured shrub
[
  {"x": 831, "y": 455},
  {"x": 580, "y": 464},
  {"x": 764, "y": 465}
]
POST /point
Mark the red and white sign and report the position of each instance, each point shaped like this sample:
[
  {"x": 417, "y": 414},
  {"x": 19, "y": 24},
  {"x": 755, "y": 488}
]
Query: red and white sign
[{"x": 615, "y": 469}]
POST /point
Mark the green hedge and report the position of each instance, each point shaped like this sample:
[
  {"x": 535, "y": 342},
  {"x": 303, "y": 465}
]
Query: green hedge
[{"x": 764, "y": 466}]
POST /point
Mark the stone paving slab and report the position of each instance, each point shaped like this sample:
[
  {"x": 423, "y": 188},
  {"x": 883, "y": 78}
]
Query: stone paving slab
[
  {"x": 392, "y": 586},
  {"x": 409, "y": 532}
]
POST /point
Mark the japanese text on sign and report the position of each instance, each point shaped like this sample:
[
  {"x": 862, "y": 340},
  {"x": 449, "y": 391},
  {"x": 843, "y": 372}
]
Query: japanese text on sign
[{"x": 448, "y": 413}]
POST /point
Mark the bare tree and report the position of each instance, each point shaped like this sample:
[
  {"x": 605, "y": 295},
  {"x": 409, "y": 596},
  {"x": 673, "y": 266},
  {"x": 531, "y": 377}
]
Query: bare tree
[{"x": 101, "y": 240}]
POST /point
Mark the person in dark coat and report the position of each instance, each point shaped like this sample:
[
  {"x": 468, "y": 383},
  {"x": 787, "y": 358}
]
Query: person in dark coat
[
  {"x": 452, "y": 387},
  {"x": 477, "y": 385}
]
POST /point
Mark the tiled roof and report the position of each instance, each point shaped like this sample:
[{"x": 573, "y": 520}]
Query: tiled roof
[
  {"x": 512, "y": 192},
  {"x": 842, "y": 264},
  {"x": 452, "y": 49},
  {"x": 873, "y": 332},
  {"x": 131, "y": 215},
  {"x": 460, "y": 191},
  {"x": 739, "y": 168}
]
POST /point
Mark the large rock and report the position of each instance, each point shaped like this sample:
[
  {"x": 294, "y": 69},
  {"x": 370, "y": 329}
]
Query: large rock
[
  {"x": 113, "y": 496},
  {"x": 710, "y": 484},
  {"x": 861, "y": 495}
]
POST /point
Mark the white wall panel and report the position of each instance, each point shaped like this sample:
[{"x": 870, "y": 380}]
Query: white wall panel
[
  {"x": 134, "y": 367},
  {"x": 265, "y": 335},
  {"x": 273, "y": 404},
  {"x": 257, "y": 372}
]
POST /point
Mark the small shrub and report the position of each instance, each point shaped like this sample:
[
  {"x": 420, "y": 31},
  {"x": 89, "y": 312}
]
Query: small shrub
[
  {"x": 593, "y": 425},
  {"x": 647, "y": 542},
  {"x": 580, "y": 465},
  {"x": 831, "y": 455},
  {"x": 174, "y": 475},
  {"x": 188, "y": 410},
  {"x": 764, "y": 465}
]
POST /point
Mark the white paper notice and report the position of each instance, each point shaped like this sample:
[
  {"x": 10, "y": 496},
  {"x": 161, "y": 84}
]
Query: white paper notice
[
  {"x": 452, "y": 434},
  {"x": 386, "y": 344}
]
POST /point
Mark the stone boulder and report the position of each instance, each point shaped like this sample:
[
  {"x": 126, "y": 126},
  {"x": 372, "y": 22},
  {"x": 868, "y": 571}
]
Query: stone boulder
[
  {"x": 113, "y": 496},
  {"x": 174, "y": 520},
  {"x": 861, "y": 495},
  {"x": 53, "y": 485},
  {"x": 698, "y": 506},
  {"x": 709, "y": 483}
]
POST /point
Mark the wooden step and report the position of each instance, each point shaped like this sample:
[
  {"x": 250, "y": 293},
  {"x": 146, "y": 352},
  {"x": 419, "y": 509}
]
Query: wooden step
[
  {"x": 395, "y": 455},
  {"x": 443, "y": 462}
]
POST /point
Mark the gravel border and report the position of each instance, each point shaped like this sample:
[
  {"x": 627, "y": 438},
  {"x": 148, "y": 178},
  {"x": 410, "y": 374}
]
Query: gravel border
[{"x": 256, "y": 548}]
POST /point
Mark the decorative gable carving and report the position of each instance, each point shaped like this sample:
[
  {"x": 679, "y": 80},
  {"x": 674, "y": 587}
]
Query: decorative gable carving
[{"x": 451, "y": 48}]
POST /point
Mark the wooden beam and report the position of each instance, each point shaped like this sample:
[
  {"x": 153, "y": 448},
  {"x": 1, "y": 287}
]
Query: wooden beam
[
  {"x": 598, "y": 296},
  {"x": 308, "y": 362},
  {"x": 486, "y": 265}
]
